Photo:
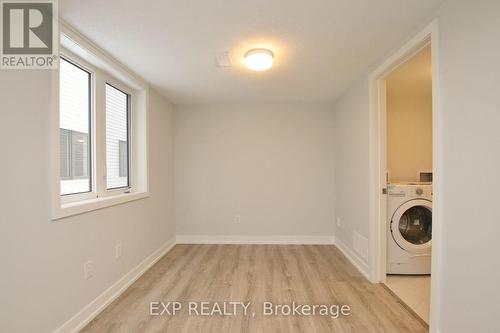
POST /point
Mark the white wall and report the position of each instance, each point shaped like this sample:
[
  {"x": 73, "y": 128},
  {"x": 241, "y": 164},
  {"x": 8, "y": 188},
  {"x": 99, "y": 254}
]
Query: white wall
[
  {"x": 41, "y": 274},
  {"x": 469, "y": 142},
  {"x": 270, "y": 163},
  {"x": 409, "y": 137},
  {"x": 351, "y": 166},
  {"x": 470, "y": 152}
]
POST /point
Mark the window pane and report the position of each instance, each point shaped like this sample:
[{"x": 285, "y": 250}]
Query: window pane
[
  {"x": 117, "y": 168},
  {"x": 79, "y": 154},
  {"x": 123, "y": 158},
  {"x": 65, "y": 154},
  {"x": 74, "y": 123}
]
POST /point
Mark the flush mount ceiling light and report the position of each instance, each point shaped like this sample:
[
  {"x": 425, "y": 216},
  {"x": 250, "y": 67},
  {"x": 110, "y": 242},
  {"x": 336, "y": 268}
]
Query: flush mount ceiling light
[{"x": 259, "y": 59}]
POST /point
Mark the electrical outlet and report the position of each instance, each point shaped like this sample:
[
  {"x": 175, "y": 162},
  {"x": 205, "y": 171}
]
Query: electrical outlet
[
  {"x": 118, "y": 251},
  {"x": 237, "y": 218},
  {"x": 88, "y": 269}
]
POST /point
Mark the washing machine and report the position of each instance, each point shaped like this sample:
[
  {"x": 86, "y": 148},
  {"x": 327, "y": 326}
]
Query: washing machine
[{"x": 409, "y": 228}]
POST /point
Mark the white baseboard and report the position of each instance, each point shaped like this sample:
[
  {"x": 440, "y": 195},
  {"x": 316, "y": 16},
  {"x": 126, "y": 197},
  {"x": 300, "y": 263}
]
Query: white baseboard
[
  {"x": 89, "y": 312},
  {"x": 355, "y": 259},
  {"x": 235, "y": 239}
]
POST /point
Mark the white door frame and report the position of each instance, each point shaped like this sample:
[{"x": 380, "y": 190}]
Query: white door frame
[{"x": 378, "y": 167}]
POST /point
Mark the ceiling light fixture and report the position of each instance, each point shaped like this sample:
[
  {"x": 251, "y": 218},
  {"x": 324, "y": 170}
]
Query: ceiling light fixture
[{"x": 259, "y": 59}]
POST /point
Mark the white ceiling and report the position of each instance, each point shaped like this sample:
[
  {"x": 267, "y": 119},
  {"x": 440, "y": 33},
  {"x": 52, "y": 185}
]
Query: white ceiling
[{"x": 320, "y": 46}]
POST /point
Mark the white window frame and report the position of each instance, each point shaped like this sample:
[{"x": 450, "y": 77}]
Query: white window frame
[{"x": 104, "y": 69}]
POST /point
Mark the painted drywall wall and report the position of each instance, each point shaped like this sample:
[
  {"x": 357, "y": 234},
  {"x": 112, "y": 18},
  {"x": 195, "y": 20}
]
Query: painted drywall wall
[
  {"x": 470, "y": 152},
  {"x": 468, "y": 141},
  {"x": 41, "y": 279},
  {"x": 271, "y": 164},
  {"x": 351, "y": 168},
  {"x": 409, "y": 137},
  {"x": 409, "y": 119}
]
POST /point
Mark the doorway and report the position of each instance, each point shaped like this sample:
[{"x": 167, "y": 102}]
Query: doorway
[
  {"x": 408, "y": 90},
  {"x": 390, "y": 165}
]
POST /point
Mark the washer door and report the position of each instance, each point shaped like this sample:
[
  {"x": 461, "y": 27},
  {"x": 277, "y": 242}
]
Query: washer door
[{"x": 411, "y": 226}]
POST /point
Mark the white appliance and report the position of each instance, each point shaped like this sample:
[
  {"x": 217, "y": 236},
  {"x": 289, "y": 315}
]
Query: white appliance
[{"x": 409, "y": 228}]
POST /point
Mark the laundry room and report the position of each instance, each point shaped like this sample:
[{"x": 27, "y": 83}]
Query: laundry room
[{"x": 409, "y": 181}]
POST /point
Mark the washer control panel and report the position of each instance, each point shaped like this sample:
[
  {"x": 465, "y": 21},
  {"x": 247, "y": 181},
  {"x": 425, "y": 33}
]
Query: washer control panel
[{"x": 409, "y": 190}]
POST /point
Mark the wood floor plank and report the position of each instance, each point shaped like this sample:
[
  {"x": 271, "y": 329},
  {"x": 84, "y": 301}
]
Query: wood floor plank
[{"x": 281, "y": 274}]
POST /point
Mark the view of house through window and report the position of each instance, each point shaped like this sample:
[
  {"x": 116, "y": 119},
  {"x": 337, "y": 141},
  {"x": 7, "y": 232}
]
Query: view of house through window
[
  {"x": 74, "y": 123},
  {"x": 117, "y": 138}
]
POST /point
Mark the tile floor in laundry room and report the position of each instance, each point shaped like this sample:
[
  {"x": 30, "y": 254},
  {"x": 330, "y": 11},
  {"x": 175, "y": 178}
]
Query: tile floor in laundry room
[{"x": 414, "y": 290}]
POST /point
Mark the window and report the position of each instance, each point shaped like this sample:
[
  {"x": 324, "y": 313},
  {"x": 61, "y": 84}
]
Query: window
[
  {"x": 117, "y": 133},
  {"x": 74, "y": 127},
  {"x": 100, "y": 149}
]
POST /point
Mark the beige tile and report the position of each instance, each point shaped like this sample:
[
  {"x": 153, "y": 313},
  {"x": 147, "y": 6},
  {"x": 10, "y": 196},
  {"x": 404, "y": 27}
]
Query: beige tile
[{"x": 414, "y": 291}]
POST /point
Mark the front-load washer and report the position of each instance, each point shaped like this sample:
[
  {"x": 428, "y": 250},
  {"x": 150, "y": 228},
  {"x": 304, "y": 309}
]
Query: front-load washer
[{"x": 409, "y": 228}]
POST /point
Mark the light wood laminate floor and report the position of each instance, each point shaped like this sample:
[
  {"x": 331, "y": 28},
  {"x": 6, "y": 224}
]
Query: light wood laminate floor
[{"x": 282, "y": 274}]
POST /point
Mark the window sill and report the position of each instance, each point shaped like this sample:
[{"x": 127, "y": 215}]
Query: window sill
[{"x": 84, "y": 206}]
